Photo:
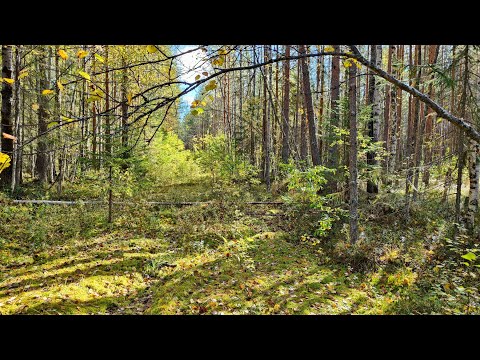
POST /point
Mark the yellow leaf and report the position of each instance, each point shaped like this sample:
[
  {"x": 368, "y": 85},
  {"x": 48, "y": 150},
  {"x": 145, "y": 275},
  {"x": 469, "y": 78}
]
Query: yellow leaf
[
  {"x": 35, "y": 107},
  {"x": 81, "y": 54},
  {"x": 66, "y": 119},
  {"x": 22, "y": 74},
  {"x": 60, "y": 85},
  {"x": 99, "y": 93},
  {"x": 329, "y": 49},
  {"x": 9, "y": 81},
  {"x": 222, "y": 52},
  {"x": 447, "y": 286},
  {"x": 63, "y": 54},
  {"x": 52, "y": 124},
  {"x": 93, "y": 98},
  {"x": 129, "y": 98},
  {"x": 4, "y": 161},
  {"x": 276, "y": 307},
  {"x": 151, "y": 49},
  {"x": 218, "y": 61},
  {"x": 84, "y": 74},
  {"x": 47, "y": 92},
  {"x": 203, "y": 103},
  {"x": 100, "y": 58},
  {"x": 197, "y": 77},
  {"x": 347, "y": 63}
]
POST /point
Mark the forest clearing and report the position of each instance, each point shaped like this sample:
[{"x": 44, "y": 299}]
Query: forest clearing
[{"x": 239, "y": 179}]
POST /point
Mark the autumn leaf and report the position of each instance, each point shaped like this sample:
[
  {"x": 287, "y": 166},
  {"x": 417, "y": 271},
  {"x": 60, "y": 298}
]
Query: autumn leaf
[
  {"x": 63, "y": 54},
  {"x": 66, "y": 119},
  {"x": 329, "y": 49},
  {"x": 35, "y": 107},
  {"x": 211, "y": 85},
  {"x": 129, "y": 99},
  {"x": 218, "y": 61},
  {"x": 47, "y": 92},
  {"x": 197, "y": 77},
  {"x": 84, "y": 74},
  {"x": 8, "y": 136},
  {"x": 4, "y": 161},
  {"x": 205, "y": 73},
  {"x": 22, "y": 74},
  {"x": 100, "y": 58},
  {"x": 60, "y": 85},
  {"x": 93, "y": 98},
  {"x": 99, "y": 93},
  {"x": 81, "y": 54},
  {"x": 151, "y": 49},
  {"x": 9, "y": 81},
  {"x": 52, "y": 124}
]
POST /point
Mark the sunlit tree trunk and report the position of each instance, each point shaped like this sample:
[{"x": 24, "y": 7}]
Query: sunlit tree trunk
[
  {"x": 41, "y": 161},
  {"x": 286, "y": 107},
  {"x": 308, "y": 101}
]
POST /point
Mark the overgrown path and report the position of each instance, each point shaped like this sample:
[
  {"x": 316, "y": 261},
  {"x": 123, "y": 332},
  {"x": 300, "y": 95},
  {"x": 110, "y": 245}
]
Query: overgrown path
[{"x": 238, "y": 264}]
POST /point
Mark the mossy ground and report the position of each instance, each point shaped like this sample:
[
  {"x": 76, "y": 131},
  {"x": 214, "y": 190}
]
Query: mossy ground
[{"x": 222, "y": 258}]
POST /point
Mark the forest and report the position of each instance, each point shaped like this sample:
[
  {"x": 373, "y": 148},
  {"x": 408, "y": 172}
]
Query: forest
[{"x": 239, "y": 179}]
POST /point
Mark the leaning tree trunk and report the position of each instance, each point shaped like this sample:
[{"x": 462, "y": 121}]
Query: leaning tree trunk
[{"x": 6, "y": 119}]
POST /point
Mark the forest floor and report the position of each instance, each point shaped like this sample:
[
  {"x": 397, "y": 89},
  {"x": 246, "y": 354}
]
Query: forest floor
[{"x": 218, "y": 258}]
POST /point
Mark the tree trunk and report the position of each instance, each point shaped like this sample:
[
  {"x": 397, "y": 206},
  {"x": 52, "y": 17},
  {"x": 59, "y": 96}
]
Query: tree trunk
[
  {"x": 461, "y": 154},
  {"x": 373, "y": 124},
  {"x": 473, "y": 172},
  {"x": 286, "y": 107},
  {"x": 353, "y": 184},
  {"x": 266, "y": 124},
  {"x": 41, "y": 162},
  {"x": 388, "y": 107},
  {"x": 307, "y": 92},
  {"x": 124, "y": 106},
  {"x": 431, "y": 116},
  {"x": 6, "y": 118}
]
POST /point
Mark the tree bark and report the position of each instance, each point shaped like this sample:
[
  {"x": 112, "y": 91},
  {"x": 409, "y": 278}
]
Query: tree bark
[
  {"x": 374, "y": 122},
  {"x": 41, "y": 161},
  {"x": 286, "y": 107},
  {"x": 6, "y": 112},
  {"x": 353, "y": 183},
  {"x": 308, "y": 101}
]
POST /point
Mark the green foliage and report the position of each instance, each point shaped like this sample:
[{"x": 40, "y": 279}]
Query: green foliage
[
  {"x": 214, "y": 157},
  {"x": 167, "y": 162},
  {"x": 305, "y": 191}
]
